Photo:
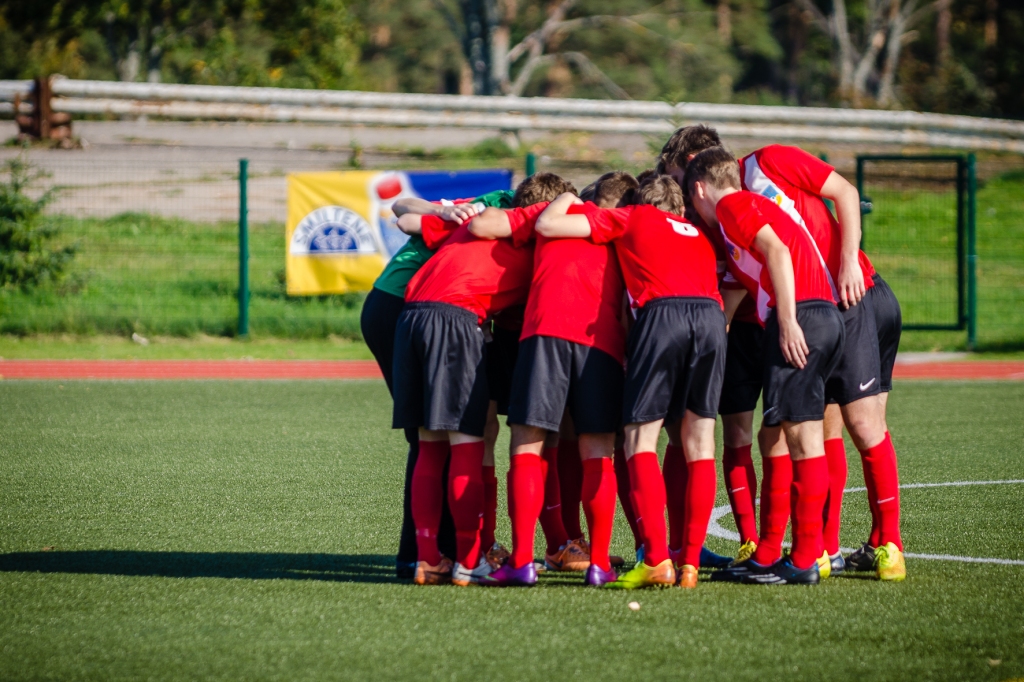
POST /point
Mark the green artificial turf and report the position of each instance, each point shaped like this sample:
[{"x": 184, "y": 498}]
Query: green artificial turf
[{"x": 245, "y": 530}]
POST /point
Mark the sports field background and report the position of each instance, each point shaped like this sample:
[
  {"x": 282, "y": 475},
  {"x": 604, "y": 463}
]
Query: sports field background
[{"x": 245, "y": 530}]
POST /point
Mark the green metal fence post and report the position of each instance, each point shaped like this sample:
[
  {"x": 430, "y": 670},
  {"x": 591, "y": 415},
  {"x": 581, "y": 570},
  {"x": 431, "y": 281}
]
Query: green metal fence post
[
  {"x": 972, "y": 254},
  {"x": 531, "y": 164},
  {"x": 243, "y": 247}
]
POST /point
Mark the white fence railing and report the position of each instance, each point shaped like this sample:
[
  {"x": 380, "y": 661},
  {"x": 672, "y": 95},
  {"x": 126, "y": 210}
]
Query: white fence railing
[{"x": 522, "y": 113}]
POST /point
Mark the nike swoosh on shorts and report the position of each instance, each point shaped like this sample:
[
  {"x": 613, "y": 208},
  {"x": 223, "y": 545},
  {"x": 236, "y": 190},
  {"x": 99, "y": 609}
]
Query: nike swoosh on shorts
[{"x": 866, "y": 386}]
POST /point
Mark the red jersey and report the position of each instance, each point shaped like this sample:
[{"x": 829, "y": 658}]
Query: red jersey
[
  {"x": 480, "y": 275},
  {"x": 661, "y": 254},
  {"x": 576, "y": 293},
  {"x": 741, "y": 216},
  {"x": 792, "y": 178}
]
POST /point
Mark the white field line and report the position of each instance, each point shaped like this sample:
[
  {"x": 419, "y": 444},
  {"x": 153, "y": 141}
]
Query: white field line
[{"x": 715, "y": 530}]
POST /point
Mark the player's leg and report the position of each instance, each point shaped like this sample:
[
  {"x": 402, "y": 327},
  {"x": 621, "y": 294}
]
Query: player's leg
[
  {"x": 466, "y": 500},
  {"x": 570, "y": 479},
  {"x": 622, "y": 484},
  {"x": 698, "y": 436},
  {"x": 495, "y": 553},
  {"x": 835, "y": 456}
]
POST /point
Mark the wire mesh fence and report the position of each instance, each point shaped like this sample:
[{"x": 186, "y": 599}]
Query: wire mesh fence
[{"x": 156, "y": 233}]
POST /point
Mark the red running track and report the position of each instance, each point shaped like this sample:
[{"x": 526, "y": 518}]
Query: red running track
[
  {"x": 367, "y": 369},
  {"x": 189, "y": 369}
]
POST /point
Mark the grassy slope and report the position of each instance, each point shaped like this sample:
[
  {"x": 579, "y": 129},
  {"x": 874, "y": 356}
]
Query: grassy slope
[{"x": 243, "y": 530}]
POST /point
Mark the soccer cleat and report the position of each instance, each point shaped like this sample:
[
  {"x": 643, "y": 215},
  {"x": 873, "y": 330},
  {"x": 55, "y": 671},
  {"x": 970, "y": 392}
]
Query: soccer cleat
[
  {"x": 862, "y": 559},
  {"x": 597, "y": 576},
  {"x": 405, "y": 570},
  {"x": 463, "y": 576},
  {"x": 570, "y": 557},
  {"x": 687, "y": 575},
  {"x": 433, "y": 575},
  {"x": 783, "y": 572},
  {"x": 824, "y": 566},
  {"x": 747, "y": 550},
  {"x": 890, "y": 565},
  {"x": 709, "y": 559},
  {"x": 642, "y": 575},
  {"x": 507, "y": 576},
  {"x": 837, "y": 563},
  {"x": 738, "y": 571},
  {"x": 497, "y": 555}
]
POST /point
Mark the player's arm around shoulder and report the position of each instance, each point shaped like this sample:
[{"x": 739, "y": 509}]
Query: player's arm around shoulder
[
  {"x": 555, "y": 221},
  {"x": 492, "y": 223},
  {"x": 410, "y": 223},
  {"x": 449, "y": 212},
  {"x": 780, "y": 269}
]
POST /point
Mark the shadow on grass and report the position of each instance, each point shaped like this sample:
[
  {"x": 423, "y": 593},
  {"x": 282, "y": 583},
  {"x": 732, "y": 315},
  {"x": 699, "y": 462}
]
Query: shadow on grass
[{"x": 353, "y": 568}]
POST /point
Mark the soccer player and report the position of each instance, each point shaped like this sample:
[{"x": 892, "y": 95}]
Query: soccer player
[
  {"x": 571, "y": 360},
  {"x": 674, "y": 361},
  {"x": 378, "y": 320},
  {"x": 780, "y": 266},
  {"x": 440, "y": 376},
  {"x": 799, "y": 183}
]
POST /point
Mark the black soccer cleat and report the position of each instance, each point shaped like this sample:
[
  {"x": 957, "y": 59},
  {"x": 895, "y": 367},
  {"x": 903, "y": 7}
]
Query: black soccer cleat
[
  {"x": 737, "y": 572},
  {"x": 838, "y": 564},
  {"x": 862, "y": 560},
  {"x": 783, "y": 572},
  {"x": 405, "y": 570}
]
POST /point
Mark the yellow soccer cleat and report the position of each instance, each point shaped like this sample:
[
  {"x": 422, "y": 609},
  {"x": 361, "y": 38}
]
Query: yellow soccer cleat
[
  {"x": 642, "y": 575},
  {"x": 889, "y": 563},
  {"x": 825, "y": 565},
  {"x": 747, "y": 550},
  {"x": 687, "y": 576}
]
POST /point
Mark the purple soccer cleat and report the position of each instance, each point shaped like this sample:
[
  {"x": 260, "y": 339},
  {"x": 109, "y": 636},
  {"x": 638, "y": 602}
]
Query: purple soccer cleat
[
  {"x": 507, "y": 576},
  {"x": 597, "y": 576}
]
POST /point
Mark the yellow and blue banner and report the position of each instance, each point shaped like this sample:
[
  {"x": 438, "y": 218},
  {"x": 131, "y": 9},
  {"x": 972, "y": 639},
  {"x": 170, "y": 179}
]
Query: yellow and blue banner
[{"x": 341, "y": 230}]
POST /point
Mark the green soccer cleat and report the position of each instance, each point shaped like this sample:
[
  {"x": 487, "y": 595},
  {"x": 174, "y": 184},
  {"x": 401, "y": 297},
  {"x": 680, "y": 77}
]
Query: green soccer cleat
[
  {"x": 642, "y": 575},
  {"x": 890, "y": 565},
  {"x": 824, "y": 565}
]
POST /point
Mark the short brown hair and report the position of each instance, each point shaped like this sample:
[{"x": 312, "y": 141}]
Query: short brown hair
[
  {"x": 644, "y": 174},
  {"x": 540, "y": 187},
  {"x": 715, "y": 166},
  {"x": 685, "y": 141},
  {"x": 614, "y": 189},
  {"x": 662, "y": 192}
]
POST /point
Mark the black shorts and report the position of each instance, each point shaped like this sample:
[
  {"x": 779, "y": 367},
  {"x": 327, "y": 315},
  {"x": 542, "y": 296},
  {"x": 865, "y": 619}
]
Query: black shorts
[
  {"x": 553, "y": 374},
  {"x": 502, "y": 352},
  {"x": 675, "y": 360},
  {"x": 377, "y": 322},
  {"x": 440, "y": 370},
  {"x": 889, "y": 323},
  {"x": 858, "y": 374},
  {"x": 798, "y": 395},
  {"x": 744, "y": 368}
]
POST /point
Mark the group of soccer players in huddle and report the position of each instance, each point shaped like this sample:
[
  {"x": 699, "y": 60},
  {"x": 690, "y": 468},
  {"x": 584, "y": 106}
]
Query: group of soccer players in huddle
[{"x": 593, "y": 320}]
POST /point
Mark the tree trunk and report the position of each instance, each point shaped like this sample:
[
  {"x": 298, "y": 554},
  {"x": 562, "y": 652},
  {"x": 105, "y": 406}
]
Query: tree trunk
[
  {"x": 841, "y": 31},
  {"x": 991, "y": 22},
  {"x": 724, "y": 20},
  {"x": 942, "y": 24},
  {"x": 897, "y": 27}
]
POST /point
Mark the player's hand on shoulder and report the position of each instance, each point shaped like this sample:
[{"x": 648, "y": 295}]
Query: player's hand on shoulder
[
  {"x": 793, "y": 344},
  {"x": 459, "y": 213}
]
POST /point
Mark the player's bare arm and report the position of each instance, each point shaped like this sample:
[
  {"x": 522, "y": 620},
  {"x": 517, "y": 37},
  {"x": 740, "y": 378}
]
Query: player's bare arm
[
  {"x": 410, "y": 223},
  {"x": 732, "y": 298},
  {"x": 847, "y": 201},
  {"x": 492, "y": 223},
  {"x": 458, "y": 213},
  {"x": 554, "y": 221},
  {"x": 780, "y": 268}
]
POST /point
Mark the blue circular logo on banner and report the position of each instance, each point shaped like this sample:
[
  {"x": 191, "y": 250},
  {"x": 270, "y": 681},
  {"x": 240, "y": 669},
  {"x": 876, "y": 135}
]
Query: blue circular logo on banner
[{"x": 332, "y": 231}]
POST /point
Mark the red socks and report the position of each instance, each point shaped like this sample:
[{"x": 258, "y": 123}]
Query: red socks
[
  {"x": 599, "y": 507},
  {"x": 700, "y": 500},
  {"x": 883, "y": 483},
  {"x": 570, "y": 485},
  {"x": 775, "y": 485},
  {"x": 647, "y": 492},
  {"x": 675, "y": 473},
  {"x": 741, "y": 484},
  {"x": 490, "y": 520},
  {"x": 622, "y": 483},
  {"x": 810, "y": 490},
  {"x": 466, "y": 500},
  {"x": 835, "y": 455},
  {"x": 525, "y": 501},
  {"x": 428, "y": 498},
  {"x": 551, "y": 513}
]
